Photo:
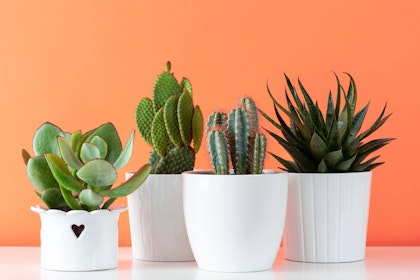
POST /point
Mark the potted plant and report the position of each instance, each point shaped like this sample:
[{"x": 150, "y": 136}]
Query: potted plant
[
  {"x": 235, "y": 218},
  {"x": 73, "y": 173},
  {"x": 330, "y": 174},
  {"x": 173, "y": 126}
]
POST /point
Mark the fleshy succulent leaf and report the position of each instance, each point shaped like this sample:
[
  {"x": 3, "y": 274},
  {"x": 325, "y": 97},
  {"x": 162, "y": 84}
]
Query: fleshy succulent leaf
[
  {"x": 71, "y": 201},
  {"x": 45, "y": 139},
  {"x": 109, "y": 133},
  {"x": 89, "y": 152},
  {"x": 91, "y": 199},
  {"x": 53, "y": 198},
  {"x": 67, "y": 153},
  {"x": 25, "y": 156},
  {"x": 62, "y": 174},
  {"x": 130, "y": 185},
  {"x": 101, "y": 145},
  {"x": 125, "y": 155},
  {"x": 39, "y": 174},
  {"x": 98, "y": 173},
  {"x": 75, "y": 139}
]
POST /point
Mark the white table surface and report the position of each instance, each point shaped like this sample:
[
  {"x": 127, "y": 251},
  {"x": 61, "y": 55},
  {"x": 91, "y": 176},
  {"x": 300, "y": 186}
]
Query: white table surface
[{"x": 396, "y": 263}]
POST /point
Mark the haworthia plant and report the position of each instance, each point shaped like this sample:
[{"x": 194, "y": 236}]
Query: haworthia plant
[
  {"x": 77, "y": 171},
  {"x": 333, "y": 143},
  {"x": 236, "y": 136},
  {"x": 171, "y": 124}
]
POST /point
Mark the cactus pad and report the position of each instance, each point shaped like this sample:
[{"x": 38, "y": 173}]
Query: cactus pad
[
  {"x": 185, "y": 114},
  {"x": 171, "y": 120},
  {"x": 197, "y": 128},
  {"x": 160, "y": 138},
  {"x": 144, "y": 118},
  {"x": 176, "y": 161},
  {"x": 166, "y": 85}
]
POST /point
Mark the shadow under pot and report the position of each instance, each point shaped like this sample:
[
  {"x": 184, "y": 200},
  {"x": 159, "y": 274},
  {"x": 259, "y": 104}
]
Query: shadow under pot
[
  {"x": 235, "y": 222},
  {"x": 156, "y": 218}
]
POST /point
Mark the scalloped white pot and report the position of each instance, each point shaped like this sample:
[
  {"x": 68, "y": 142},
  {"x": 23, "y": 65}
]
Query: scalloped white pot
[
  {"x": 235, "y": 222},
  {"x": 79, "y": 240},
  {"x": 156, "y": 218},
  {"x": 327, "y": 217}
]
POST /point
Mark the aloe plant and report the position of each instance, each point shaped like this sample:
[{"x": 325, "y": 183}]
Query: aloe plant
[
  {"x": 77, "y": 171},
  {"x": 333, "y": 143},
  {"x": 236, "y": 136},
  {"x": 171, "y": 124}
]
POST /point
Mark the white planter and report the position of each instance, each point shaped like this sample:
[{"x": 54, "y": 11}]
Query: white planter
[
  {"x": 327, "y": 217},
  {"x": 156, "y": 218},
  {"x": 235, "y": 222},
  {"x": 93, "y": 247}
]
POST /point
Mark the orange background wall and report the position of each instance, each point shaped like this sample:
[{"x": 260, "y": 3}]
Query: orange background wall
[{"x": 80, "y": 63}]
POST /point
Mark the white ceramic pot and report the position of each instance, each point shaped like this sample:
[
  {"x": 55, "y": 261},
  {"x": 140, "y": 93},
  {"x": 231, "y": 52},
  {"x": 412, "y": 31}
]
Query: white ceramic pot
[
  {"x": 235, "y": 222},
  {"x": 327, "y": 217},
  {"x": 79, "y": 240},
  {"x": 156, "y": 218}
]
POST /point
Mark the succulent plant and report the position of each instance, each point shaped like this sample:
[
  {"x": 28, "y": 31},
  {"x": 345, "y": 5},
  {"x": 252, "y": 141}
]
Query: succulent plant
[
  {"x": 76, "y": 171},
  {"x": 332, "y": 143},
  {"x": 236, "y": 136},
  {"x": 170, "y": 123}
]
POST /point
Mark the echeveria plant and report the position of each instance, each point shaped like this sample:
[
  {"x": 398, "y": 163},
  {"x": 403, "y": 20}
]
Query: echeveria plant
[{"x": 77, "y": 171}]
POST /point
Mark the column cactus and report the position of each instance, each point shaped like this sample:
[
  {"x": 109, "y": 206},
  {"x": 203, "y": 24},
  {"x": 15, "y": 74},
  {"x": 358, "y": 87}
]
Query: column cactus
[
  {"x": 236, "y": 135},
  {"x": 171, "y": 124}
]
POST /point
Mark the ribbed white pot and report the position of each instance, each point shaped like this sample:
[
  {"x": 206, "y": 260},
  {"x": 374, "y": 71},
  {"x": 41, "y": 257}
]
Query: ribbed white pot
[
  {"x": 327, "y": 217},
  {"x": 79, "y": 240},
  {"x": 235, "y": 222},
  {"x": 156, "y": 218}
]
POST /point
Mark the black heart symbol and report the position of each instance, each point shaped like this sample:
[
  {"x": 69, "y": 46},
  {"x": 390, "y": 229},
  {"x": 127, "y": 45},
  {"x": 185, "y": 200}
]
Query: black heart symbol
[{"x": 77, "y": 229}]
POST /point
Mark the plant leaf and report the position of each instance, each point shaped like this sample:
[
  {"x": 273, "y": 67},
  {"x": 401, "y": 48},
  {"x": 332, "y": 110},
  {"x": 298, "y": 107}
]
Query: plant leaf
[
  {"x": 91, "y": 199},
  {"x": 39, "y": 174},
  {"x": 70, "y": 199},
  {"x": 53, "y": 198},
  {"x": 98, "y": 173},
  {"x": 125, "y": 155},
  {"x": 130, "y": 185},
  {"x": 68, "y": 154},
  {"x": 333, "y": 158},
  {"x": 62, "y": 174},
  {"x": 109, "y": 133},
  {"x": 45, "y": 139},
  {"x": 101, "y": 145},
  {"x": 318, "y": 147},
  {"x": 25, "y": 156},
  {"x": 89, "y": 152}
]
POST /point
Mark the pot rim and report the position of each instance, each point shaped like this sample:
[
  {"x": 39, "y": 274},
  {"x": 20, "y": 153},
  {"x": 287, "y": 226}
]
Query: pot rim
[
  {"x": 329, "y": 173},
  {"x": 41, "y": 210},
  {"x": 266, "y": 172}
]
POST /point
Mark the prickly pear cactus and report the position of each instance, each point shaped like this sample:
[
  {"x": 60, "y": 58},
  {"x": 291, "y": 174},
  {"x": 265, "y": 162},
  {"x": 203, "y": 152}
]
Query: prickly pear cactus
[
  {"x": 171, "y": 124},
  {"x": 236, "y": 136}
]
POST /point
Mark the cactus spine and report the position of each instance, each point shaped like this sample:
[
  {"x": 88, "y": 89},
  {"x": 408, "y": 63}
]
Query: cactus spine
[
  {"x": 170, "y": 123},
  {"x": 236, "y": 135}
]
